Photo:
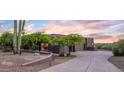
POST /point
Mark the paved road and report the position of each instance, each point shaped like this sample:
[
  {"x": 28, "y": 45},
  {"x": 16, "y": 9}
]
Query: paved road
[{"x": 86, "y": 61}]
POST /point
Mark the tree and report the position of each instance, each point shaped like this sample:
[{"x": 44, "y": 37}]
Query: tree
[
  {"x": 26, "y": 42},
  {"x": 18, "y": 29},
  {"x": 60, "y": 41},
  {"x": 34, "y": 40},
  {"x": 6, "y": 39},
  {"x": 38, "y": 38},
  {"x": 72, "y": 40},
  {"x": 68, "y": 40}
]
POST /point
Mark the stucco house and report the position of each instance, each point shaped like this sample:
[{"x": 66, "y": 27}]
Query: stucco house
[{"x": 88, "y": 45}]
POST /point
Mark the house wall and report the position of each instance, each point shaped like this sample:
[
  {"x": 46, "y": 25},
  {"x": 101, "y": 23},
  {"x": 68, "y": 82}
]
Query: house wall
[
  {"x": 79, "y": 47},
  {"x": 56, "y": 48},
  {"x": 53, "y": 48},
  {"x": 89, "y": 44},
  {"x": 66, "y": 49}
]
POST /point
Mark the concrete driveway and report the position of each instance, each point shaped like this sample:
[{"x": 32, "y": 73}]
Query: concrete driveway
[{"x": 86, "y": 61}]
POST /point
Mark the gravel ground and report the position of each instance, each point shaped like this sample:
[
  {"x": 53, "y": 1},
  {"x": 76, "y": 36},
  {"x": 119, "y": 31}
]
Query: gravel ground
[
  {"x": 117, "y": 61},
  {"x": 8, "y": 59},
  {"x": 11, "y": 63}
]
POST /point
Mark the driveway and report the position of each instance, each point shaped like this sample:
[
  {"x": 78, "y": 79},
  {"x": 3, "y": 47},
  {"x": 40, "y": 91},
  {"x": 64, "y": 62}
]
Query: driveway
[{"x": 86, "y": 61}]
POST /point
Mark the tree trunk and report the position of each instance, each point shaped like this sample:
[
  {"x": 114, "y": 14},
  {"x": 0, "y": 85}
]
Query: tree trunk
[
  {"x": 61, "y": 50},
  {"x": 69, "y": 51},
  {"x": 39, "y": 44}
]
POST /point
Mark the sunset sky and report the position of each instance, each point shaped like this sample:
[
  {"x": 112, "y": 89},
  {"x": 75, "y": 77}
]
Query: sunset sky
[{"x": 103, "y": 31}]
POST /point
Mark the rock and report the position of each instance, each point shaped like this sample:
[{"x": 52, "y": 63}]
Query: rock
[{"x": 36, "y": 54}]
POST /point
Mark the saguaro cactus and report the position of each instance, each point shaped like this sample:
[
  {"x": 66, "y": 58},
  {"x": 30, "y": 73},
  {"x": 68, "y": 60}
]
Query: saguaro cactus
[
  {"x": 21, "y": 28},
  {"x": 23, "y": 24},
  {"x": 18, "y": 25},
  {"x": 19, "y": 36},
  {"x": 15, "y": 37}
]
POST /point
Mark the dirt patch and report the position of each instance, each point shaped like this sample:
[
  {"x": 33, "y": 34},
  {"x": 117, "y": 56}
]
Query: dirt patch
[
  {"x": 118, "y": 61},
  {"x": 9, "y": 59},
  {"x": 12, "y": 63}
]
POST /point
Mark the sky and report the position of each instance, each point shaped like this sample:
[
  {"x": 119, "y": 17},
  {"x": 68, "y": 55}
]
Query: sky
[{"x": 103, "y": 31}]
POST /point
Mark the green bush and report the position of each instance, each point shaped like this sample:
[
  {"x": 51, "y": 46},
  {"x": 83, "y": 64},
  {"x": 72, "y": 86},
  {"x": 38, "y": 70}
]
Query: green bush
[
  {"x": 61, "y": 55},
  {"x": 118, "y": 49},
  {"x": 104, "y": 46},
  {"x": 115, "y": 51},
  {"x": 68, "y": 54},
  {"x": 35, "y": 47},
  {"x": 7, "y": 50},
  {"x": 25, "y": 46}
]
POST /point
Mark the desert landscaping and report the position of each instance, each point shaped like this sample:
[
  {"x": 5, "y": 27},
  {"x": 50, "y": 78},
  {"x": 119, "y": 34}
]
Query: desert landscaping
[
  {"x": 38, "y": 51},
  {"x": 13, "y": 63}
]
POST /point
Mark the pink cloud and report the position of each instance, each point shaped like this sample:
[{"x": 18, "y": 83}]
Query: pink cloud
[
  {"x": 121, "y": 36},
  {"x": 99, "y": 24},
  {"x": 63, "y": 29},
  {"x": 84, "y": 27}
]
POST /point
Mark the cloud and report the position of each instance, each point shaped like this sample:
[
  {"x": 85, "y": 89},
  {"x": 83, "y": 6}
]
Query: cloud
[
  {"x": 106, "y": 40},
  {"x": 80, "y": 25},
  {"x": 101, "y": 37},
  {"x": 100, "y": 30},
  {"x": 5, "y": 28},
  {"x": 41, "y": 30},
  {"x": 104, "y": 30},
  {"x": 63, "y": 29},
  {"x": 2, "y": 21},
  {"x": 64, "y": 22},
  {"x": 29, "y": 28},
  {"x": 100, "y": 24},
  {"x": 95, "y": 34},
  {"x": 121, "y": 36}
]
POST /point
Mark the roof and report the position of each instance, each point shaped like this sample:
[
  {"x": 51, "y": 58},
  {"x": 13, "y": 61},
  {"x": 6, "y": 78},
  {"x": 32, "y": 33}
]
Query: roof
[
  {"x": 56, "y": 35},
  {"x": 60, "y": 35}
]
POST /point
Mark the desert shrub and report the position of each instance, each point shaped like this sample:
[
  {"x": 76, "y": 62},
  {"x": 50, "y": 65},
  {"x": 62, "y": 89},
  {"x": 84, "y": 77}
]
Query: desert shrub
[
  {"x": 61, "y": 55},
  {"x": 107, "y": 46},
  {"x": 25, "y": 46},
  {"x": 104, "y": 46},
  {"x": 99, "y": 46},
  {"x": 118, "y": 48},
  {"x": 6, "y": 39},
  {"x": 7, "y": 50},
  {"x": 34, "y": 47},
  {"x": 68, "y": 54},
  {"x": 115, "y": 51}
]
